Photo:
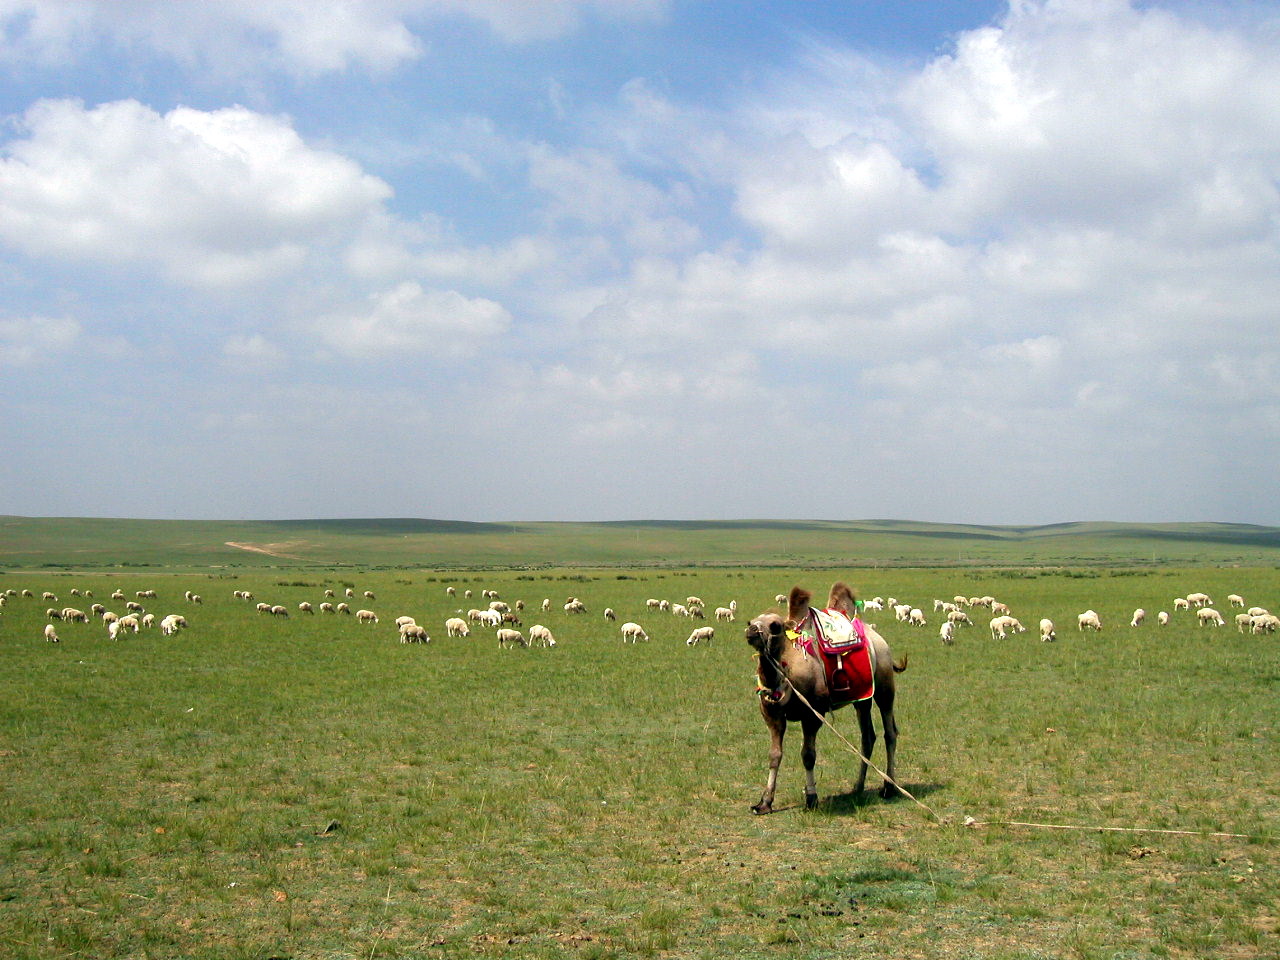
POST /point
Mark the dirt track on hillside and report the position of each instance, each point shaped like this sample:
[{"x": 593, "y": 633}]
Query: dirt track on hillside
[{"x": 270, "y": 549}]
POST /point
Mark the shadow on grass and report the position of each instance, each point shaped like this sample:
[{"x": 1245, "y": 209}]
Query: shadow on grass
[{"x": 843, "y": 803}]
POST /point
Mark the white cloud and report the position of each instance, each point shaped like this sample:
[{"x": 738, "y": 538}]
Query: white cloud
[
  {"x": 218, "y": 198},
  {"x": 27, "y": 340},
  {"x": 299, "y": 37},
  {"x": 410, "y": 320}
]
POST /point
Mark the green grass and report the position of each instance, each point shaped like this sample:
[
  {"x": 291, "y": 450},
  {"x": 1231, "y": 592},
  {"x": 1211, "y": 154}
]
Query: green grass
[
  {"x": 313, "y": 788},
  {"x": 86, "y": 543}
]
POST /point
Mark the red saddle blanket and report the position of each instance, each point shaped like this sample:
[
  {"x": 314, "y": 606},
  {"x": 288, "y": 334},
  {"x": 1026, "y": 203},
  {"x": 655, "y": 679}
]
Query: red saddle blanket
[{"x": 846, "y": 654}]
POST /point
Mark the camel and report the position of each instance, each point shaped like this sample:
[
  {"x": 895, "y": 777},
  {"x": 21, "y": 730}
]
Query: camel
[{"x": 786, "y": 670}]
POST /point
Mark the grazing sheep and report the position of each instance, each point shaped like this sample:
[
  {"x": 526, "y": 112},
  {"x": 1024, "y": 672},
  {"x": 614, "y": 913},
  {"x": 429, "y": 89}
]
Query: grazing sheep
[
  {"x": 609, "y": 614},
  {"x": 1000, "y": 608},
  {"x": 509, "y": 638},
  {"x": 519, "y": 604},
  {"x": 490, "y": 618},
  {"x": 129, "y": 622},
  {"x": 653, "y": 604},
  {"x": 873, "y": 604},
  {"x": 724, "y": 613},
  {"x": 1047, "y": 634},
  {"x": 53, "y": 614},
  {"x": 700, "y": 634},
  {"x": 902, "y": 612},
  {"x": 500, "y": 605},
  {"x": 1267, "y": 623},
  {"x": 412, "y": 633},
  {"x": 546, "y": 604},
  {"x": 1139, "y": 615},
  {"x": 280, "y": 610},
  {"x": 1243, "y": 620},
  {"x": 999, "y": 626},
  {"x": 451, "y": 591},
  {"x": 1089, "y": 619},
  {"x": 512, "y": 618},
  {"x": 947, "y": 632},
  {"x": 172, "y": 624},
  {"x": 113, "y": 630},
  {"x": 1162, "y": 618},
  {"x": 633, "y": 632},
  {"x": 402, "y": 622},
  {"x": 350, "y": 593},
  {"x": 344, "y": 608},
  {"x": 679, "y": 610},
  {"x": 916, "y": 617},
  {"x": 575, "y": 606},
  {"x": 368, "y": 595},
  {"x": 72, "y": 615},
  {"x": 457, "y": 627},
  {"x": 1209, "y": 615},
  {"x": 305, "y": 607},
  {"x": 50, "y": 634},
  {"x": 328, "y": 592},
  {"x": 366, "y": 616},
  {"x": 109, "y": 616},
  {"x": 148, "y": 621},
  {"x": 49, "y": 597},
  {"x": 959, "y": 618},
  {"x": 541, "y": 636},
  {"x": 1181, "y": 603},
  {"x": 326, "y": 607},
  {"x": 1235, "y": 600},
  {"x": 133, "y": 606},
  {"x": 1258, "y": 611},
  {"x": 263, "y": 607},
  {"x": 1199, "y": 599}
]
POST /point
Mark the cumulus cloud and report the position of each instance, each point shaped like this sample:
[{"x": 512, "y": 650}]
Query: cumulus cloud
[
  {"x": 223, "y": 197},
  {"x": 408, "y": 319}
]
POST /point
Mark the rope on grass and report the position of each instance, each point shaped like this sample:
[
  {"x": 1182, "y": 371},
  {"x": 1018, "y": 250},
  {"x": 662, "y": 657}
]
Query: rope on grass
[{"x": 970, "y": 822}]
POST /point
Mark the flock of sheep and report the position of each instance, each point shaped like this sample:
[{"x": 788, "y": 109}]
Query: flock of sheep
[
  {"x": 505, "y": 619},
  {"x": 1255, "y": 620}
]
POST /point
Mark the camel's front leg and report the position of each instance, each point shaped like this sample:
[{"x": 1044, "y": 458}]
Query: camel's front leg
[
  {"x": 809, "y": 756},
  {"x": 777, "y": 728}
]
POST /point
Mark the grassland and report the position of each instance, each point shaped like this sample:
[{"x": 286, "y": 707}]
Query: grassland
[
  {"x": 88, "y": 543},
  {"x": 260, "y": 788}
]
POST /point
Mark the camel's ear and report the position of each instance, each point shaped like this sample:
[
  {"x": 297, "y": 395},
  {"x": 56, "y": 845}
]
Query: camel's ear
[
  {"x": 798, "y": 604},
  {"x": 842, "y": 599}
]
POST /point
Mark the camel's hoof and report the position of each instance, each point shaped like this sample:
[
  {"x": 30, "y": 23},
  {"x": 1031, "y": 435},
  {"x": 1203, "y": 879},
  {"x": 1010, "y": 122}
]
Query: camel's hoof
[
  {"x": 889, "y": 792},
  {"x": 762, "y": 808},
  {"x": 810, "y": 801}
]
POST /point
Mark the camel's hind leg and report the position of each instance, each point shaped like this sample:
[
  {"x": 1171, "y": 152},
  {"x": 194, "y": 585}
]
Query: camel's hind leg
[
  {"x": 868, "y": 742},
  {"x": 884, "y": 698}
]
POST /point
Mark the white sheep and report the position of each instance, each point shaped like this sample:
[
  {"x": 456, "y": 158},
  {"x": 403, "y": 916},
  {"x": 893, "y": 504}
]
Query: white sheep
[
  {"x": 490, "y": 618},
  {"x": 129, "y": 622},
  {"x": 724, "y": 613},
  {"x": 575, "y": 606},
  {"x": 1267, "y": 623},
  {"x": 1047, "y": 634},
  {"x": 998, "y": 627},
  {"x": 326, "y": 607},
  {"x": 700, "y": 634},
  {"x": 1162, "y": 618},
  {"x": 633, "y": 632},
  {"x": 1181, "y": 603},
  {"x": 1243, "y": 621},
  {"x": 280, "y": 610},
  {"x": 412, "y": 633},
  {"x": 541, "y": 636},
  {"x": 402, "y": 622},
  {"x": 1208, "y": 615},
  {"x": 172, "y": 624},
  {"x": 1235, "y": 600},
  {"x": 50, "y": 634},
  {"x": 916, "y": 617},
  {"x": 305, "y": 607},
  {"x": 509, "y": 638},
  {"x": 366, "y": 616},
  {"x": 457, "y": 627},
  {"x": 1089, "y": 619},
  {"x": 653, "y": 604},
  {"x": 947, "y": 632},
  {"x": 959, "y": 618},
  {"x": 1199, "y": 599},
  {"x": 148, "y": 621},
  {"x": 1139, "y": 615},
  {"x": 608, "y": 615},
  {"x": 343, "y": 607}
]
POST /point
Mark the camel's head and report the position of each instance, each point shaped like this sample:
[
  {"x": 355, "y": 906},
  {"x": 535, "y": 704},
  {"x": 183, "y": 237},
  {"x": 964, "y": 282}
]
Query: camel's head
[{"x": 767, "y": 633}]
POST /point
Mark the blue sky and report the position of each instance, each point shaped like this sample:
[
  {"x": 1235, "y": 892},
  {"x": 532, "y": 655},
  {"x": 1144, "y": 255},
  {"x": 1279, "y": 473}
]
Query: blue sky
[{"x": 611, "y": 259}]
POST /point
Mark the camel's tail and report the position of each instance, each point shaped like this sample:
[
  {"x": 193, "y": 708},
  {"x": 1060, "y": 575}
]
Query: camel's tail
[{"x": 900, "y": 665}]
